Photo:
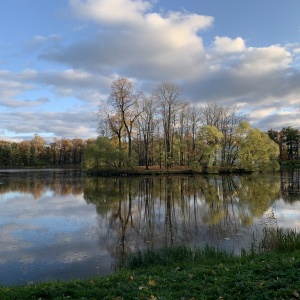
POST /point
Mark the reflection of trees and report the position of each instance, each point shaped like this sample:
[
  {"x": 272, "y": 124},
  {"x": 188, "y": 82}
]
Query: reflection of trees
[
  {"x": 290, "y": 185},
  {"x": 151, "y": 212},
  {"x": 37, "y": 182}
]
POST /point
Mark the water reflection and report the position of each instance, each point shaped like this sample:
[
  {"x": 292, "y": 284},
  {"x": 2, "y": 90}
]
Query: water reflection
[
  {"x": 84, "y": 226},
  {"x": 36, "y": 182},
  {"x": 150, "y": 212},
  {"x": 290, "y": 185}
]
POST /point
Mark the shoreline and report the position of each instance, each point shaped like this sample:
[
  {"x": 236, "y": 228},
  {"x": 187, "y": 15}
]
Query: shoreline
[{"x": 156, "y": 171}]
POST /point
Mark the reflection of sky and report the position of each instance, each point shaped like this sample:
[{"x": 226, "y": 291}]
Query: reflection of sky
[
  {"x": 11, "y": 196},
  {"x": 287, "y": 214},
  {"x": 39, "y": 239}
]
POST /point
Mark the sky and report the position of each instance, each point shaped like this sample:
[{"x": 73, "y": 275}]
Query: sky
[{"x": 58, "y": 59}]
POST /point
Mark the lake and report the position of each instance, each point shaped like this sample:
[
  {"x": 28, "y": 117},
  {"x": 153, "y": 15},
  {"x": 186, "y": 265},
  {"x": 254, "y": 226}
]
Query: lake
[{"x": 59, "y": 224}]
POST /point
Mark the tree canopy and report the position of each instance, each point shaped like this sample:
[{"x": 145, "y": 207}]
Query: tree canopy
[{"x": 165, "y": 130}]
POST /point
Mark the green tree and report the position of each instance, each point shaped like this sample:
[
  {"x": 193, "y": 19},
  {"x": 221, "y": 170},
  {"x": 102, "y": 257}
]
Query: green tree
[
  {"x": 277, "y": 137},
  {"x": 101, "y": 153},
  {"x": 210, "y": 142},
  {"x": 291, "y": 138},
  {"x": 37, "y": 148},
  {"x": 257, "y": 152}
]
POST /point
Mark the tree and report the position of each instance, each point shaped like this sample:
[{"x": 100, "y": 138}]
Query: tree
[
  {"x": 100, "y": 153},
  {"x": 78, "y": 147},
  {"x": 168, "y": 96},
  {"x": 116, "y": 126},
  {"x": 277, "y": 137},
  {"x": 147, "y": 124},
  {"x": 211, "y": 139},
  {"x": 126, "y": 103},
  {"x": 37, "y": 148},
  {"x": 258, "y": 152},
  {"x": 226, "y": 119},
  {"x": 25, "y": 152},
  {"x": 291, "y": 138}
]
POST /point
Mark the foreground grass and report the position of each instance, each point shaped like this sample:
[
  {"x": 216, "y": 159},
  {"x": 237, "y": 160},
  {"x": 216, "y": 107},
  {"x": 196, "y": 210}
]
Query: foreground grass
[{"x": 185, "y": 274}]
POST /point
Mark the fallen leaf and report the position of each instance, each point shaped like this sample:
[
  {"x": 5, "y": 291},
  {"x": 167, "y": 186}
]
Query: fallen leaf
[
  {"x": 152, "y": 282},
  {"x": 152, "y": 298}
]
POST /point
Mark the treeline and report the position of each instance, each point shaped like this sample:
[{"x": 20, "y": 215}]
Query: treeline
[
  {"x": 161, "y": 130},
  {"x": 36, "y": 152},
  {"x": 165, "y": 130},
  {"x": 288, "y": 140}
]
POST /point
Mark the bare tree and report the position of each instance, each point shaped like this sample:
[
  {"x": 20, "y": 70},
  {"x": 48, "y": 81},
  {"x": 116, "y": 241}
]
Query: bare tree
[
  {"x": 168, "y": 97},
  {"x": 126, "y": 103},
  {"x": 147, "y": 124}
]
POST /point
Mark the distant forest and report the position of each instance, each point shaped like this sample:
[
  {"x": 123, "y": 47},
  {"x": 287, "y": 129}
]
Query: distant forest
[{"x": 37, "y": 152}]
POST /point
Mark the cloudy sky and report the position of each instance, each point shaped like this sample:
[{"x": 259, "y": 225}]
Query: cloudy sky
[{"x": 59, "y": 57}]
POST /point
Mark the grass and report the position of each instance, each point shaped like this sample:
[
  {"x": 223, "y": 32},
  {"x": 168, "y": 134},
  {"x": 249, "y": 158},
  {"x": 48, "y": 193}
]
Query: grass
[
  {"x": 277, "y": 239},
  {"x": 185, "y": 273}
]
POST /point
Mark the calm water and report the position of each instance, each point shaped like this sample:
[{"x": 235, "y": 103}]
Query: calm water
[{"x": 57, "y": 224}]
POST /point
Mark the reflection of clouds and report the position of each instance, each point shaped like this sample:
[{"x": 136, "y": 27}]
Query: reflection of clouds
[
  {"x": 26, "y": 224},
  {"x": 287, "y": 215},
  {"x": 40, "y": 237},
  {"x": 70, "y": 257}
]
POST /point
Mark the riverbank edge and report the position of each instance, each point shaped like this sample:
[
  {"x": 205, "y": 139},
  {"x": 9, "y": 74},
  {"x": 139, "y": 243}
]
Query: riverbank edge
[
  {"x": 154, "y": 171},
  {"x": 210, "y": 275}
]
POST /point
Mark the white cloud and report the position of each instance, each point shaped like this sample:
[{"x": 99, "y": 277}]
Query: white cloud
[
  {"x": 155, "y": 47},
  {"x": 110, "y": 12},
  {"x": 228, "y": 45},
  {"x": 266, "y": 59},
  {"x": 9, "y": 89}
]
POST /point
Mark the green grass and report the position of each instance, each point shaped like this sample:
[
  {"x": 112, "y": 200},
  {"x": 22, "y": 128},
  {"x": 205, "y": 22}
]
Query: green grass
[
  {"x": 277, "y": 239},
  {"x": 186, "y": 273}
]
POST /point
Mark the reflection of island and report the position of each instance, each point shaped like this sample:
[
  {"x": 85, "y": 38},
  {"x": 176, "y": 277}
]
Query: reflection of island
[
  {"x": 60, "y": 182},
  {"x": 156, "y": 211},
  {"x": 290, "y": 185}
]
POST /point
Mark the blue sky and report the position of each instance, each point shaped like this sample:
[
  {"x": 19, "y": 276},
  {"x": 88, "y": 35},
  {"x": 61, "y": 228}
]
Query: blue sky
[{"x": 59, "y": 57}]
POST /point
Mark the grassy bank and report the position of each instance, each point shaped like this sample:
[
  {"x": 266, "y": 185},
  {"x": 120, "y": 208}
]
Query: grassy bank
[{"x": 269, "y": 270}]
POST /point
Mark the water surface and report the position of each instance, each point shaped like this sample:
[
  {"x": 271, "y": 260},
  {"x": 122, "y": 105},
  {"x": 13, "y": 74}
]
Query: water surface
[{"x": 58, "y": 224}]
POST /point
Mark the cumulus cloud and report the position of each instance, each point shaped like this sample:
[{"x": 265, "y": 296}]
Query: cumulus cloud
[
  {"x": 250, "y": 75},
  {"x": 158, "y": 45},
  {"x": 111, "y": 12},
  {"x": 228, "y": 45}
]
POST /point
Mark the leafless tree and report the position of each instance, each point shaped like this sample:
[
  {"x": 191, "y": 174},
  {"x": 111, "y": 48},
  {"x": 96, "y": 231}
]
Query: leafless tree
[
  {"x": 147, "y": 124},
  {"x": 125, "y": 101},
  {"x": 168, "y": 96}
]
